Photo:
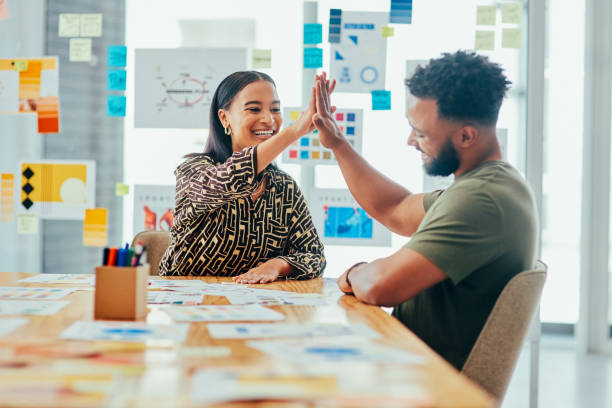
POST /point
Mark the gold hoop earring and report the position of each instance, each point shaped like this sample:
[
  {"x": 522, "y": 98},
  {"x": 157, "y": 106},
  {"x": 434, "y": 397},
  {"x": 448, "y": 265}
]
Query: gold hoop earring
[{"x": 227, "y": 130}]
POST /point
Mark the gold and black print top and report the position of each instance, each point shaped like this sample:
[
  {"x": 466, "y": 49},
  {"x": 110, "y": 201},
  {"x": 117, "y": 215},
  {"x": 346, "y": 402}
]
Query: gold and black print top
[{"x": 220, "y": 230}]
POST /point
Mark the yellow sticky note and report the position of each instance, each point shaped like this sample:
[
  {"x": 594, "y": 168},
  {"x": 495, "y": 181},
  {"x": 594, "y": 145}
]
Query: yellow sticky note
[
  {"x": 27, "y": 224},
  {"x": 485, "y": 15},
  {"x": 69, "y": 25},
  {"x": 80, "y": 49},
  {"x": 511, "y": 38},
  {"x": 122, "y": 189},
  {"x": 21, "y": 65},
  {"x": 262, "y": 58},
  {"x": 294, "y": 115},
  {"x": 95, "y": 227},
  {"x": 387, "y": 31},
  {"x": 485, "y": 40},
  {"x": 91, "y": 25},
  {"x": 512, "y": 12}
]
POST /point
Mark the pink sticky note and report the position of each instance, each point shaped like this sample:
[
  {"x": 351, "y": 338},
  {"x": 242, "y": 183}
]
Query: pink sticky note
[{"x": 3, "y": 9}]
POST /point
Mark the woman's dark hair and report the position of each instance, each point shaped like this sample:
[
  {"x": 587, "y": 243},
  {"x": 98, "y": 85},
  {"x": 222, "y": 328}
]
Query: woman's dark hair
[
  {"x": 465, "y": 85},
  {"x": 219, "y": 145}
]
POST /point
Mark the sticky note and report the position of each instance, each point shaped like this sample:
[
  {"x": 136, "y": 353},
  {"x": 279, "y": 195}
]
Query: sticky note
[
  {"x": 485, "y": 15},
  {"x": 115, "y": 105},
  {"x": 69, "y": 25},
  {"x": 27, "y": 223},
  {"x": 20, "y": 65},
  {"x": 117, "y": 55},
  {"x": 387, "y": 31},
  {"x": 3, "y": 9},
  {"x": 381, "y": 100},
  {"x": 313, "y": 33},
  {"x": 95, "y": 227},
  {"x": 115, "y": 80},
  {"x": 304, "y": 141},
  {"x": 313, "y": 57},
  {"x": 91, "y": 25},
  {"x": 511, "y": 38},
  {"x": 511, "y": 13},
  {"x": 401, "y": 12},
  {"x": 262, "y": 58},
  {"x": 485, "y": 40},
  {"x": 122, "y": 189},
  {"x": 80, "y": 49},
  {"x": 294, "y": 115}
]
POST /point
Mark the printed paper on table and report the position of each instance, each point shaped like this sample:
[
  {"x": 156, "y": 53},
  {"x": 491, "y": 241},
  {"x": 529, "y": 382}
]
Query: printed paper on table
[
  {"x": 71, "y": 278},
  {"x": 125, "y": 331},
  {"x": 174, "y": 87},
  {"x": 31, "y": 307},
  {"x": 340, "y": 221},
  {"x": 358, "y": 61},
  {"x": 33, "y": 293},
  {"x": 210, "y": 313},
  {"x": 57, "y": 189}
]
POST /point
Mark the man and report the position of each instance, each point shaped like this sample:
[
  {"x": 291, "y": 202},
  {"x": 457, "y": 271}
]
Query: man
[{"x": 467, "y": 241}]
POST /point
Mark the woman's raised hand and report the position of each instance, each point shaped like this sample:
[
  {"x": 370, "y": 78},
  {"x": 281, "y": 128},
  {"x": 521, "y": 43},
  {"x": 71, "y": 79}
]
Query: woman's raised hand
[
  {"x": 305, "y": 123},
  {"x": 329, "y": 132}
]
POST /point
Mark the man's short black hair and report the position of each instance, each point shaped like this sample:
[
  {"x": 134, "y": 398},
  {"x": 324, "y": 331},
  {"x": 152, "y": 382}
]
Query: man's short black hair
[{"x": 465, "y": 85}]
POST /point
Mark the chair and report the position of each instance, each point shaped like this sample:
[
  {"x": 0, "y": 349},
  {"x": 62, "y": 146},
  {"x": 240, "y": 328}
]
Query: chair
[
  {"x": 156, "y": 243},
  {"x": 493, "y": 357}
]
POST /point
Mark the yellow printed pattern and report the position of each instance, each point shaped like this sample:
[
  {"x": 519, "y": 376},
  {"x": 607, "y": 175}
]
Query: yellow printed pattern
[
  {"x": 7, "y": 188},
  {"x": 95, "y": 227}
]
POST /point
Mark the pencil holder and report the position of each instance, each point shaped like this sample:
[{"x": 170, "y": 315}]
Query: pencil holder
[{"x": 121, "y": 292}]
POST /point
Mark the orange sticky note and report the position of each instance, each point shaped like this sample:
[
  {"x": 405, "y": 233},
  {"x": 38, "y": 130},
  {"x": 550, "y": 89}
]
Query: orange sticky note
[
  {"x": 95, "y": 227},
  {"x": 7, "y": 192}
]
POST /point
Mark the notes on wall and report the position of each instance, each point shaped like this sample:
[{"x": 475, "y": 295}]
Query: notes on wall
[
  {"x": 401, "y": 12},
  {"x": 358, "y": 60},
  {"x": 57, "y": 189},
  {"x": 31, "y": 86},
  {"x": 174, "y": 87},
  {"x": 511, "y": 36},
  {"x": 153, "y": 208},
  {"x": 27, "y": 224},
  {"x": 7, "y": 193},
  {"x": 95, "y": 227},
  {"x": 262, "y": 58},
  {"x": 381, "y": 100},
  {"x": 340, "y": 221}
]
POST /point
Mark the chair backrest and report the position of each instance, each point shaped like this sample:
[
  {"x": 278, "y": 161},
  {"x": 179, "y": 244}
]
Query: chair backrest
[
  {"x": 493, "y": 357},
  {"x": 156, "y": 243}
]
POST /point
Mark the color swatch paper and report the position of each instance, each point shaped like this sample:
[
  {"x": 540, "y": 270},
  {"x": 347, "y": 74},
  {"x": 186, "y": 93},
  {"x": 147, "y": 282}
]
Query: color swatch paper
[
  {"x": 115, "y": 105},
  {"x": 485, "y": 15},
  {"x": 115, "y": 80},
  {"x": 27, "y": 224},
  {"x": 95, "y": 227},
  {"x": 47, "y": 114},
  {"x": 69, "y": 25},
  {"x": 313, "y": 57},
  {"x": 335, "y": 25},
  {"x": 80, "y": 49},
  {"x": 381, "y": 100},
  {"x": 313, "y": 33},
  {"x": 117, "y": 55},
  {"x": 511, "y": 12},
  {"x": 262, "y": 58},
  {"x": 401, "y": 12},
  {"x": 7, "y": 192},
  {"x": 91, "y": 25},
  {"x": 511, "y": 38},
  {"x": 484, "y": 40}
]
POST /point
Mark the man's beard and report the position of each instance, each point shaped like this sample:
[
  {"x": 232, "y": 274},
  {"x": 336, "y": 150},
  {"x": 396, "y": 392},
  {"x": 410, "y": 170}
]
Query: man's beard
[{"x": 445, "y": 163}]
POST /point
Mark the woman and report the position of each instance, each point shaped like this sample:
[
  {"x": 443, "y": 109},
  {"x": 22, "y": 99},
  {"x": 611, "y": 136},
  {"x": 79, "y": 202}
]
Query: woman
[{"x": 236, "y": 214}]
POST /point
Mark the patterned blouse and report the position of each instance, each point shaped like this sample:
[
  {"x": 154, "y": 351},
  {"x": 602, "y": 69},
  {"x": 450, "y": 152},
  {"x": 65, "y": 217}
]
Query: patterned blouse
[{"x": 220, "y": 230}]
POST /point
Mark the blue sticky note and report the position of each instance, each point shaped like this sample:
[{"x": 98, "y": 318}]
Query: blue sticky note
[
  {"x": 350, "y": 117},
  {"x": 304, "y": 141},
  {"x": 117, "y": 55},
  {"x": 381, "y": 100},
  {"x": 313, "y": 33},
  {"x": 313, "y": 57},
  {"x": 350, "y": 130},
  {"x": 401, "y": 12},
  {"x": 115, "y": 80},
  {"x": 115, "y": 105},
  {"x": 304, "y": 154}
]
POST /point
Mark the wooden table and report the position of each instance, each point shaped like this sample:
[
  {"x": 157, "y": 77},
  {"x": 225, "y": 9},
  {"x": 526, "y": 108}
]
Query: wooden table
[{"x": 157, "y": 374}]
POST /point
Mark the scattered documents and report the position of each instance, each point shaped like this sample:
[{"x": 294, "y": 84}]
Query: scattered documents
[
  {"x": 31, "y": 307},
  {"x": 71, "y": 278},
  {"x": 256, "y": 330},
  {"x": 209, "y": 313},
  {"x": 8, "y": 325},
  {"x": 27, "y": 293},
  {"x": 125, "y": 331},
  {"x": 173, "y": 298}
]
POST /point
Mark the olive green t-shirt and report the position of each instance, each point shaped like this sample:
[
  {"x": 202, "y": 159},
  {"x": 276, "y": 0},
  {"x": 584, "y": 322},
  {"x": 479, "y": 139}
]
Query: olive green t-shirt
[{"x": 481, "y": 231}]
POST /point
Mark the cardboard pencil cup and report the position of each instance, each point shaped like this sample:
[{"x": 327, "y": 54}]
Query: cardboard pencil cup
[{"x": 121, "y": 292}]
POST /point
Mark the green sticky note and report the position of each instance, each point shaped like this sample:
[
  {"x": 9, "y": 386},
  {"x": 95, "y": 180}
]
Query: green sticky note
[
  {"x": 262, "y": 58},
  {"x": 122, "y": 189},
  {"x": 387, "y": 31},
  {"x": 512, "y": 13},
  {"x": 485, "y": 40},
  {"x": 485, "y": 15},
  {"x": 21, "y": 65},
  {"x": 511, "y": 38}
]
